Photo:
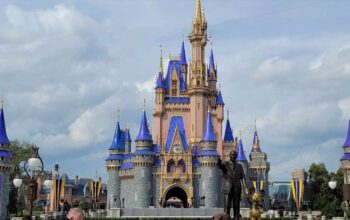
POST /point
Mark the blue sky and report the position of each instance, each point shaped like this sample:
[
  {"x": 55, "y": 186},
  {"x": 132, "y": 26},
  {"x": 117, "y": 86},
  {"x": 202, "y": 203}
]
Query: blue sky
[{"x": 67, "y": 65}]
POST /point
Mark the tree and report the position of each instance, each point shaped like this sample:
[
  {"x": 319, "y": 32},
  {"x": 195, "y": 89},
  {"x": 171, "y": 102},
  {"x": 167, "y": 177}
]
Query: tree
[
  {"x": 326, "y": 200},
  {"x": 20, "y": 152}
]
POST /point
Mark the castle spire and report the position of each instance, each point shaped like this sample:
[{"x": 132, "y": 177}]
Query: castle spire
[
  {"x": 161, "y": 70},
  {"x": 209, "y": 135},
  {"x": 228, "y": 132},
  {"x": 256, "y": 141},
  {"x": 160, "y": 81},
  {"x": 347, "y": 141},
  {"x": 117, "y": 142},
  {"x": 219, "y": 100},
  {"x": 241, "y": 156},
  {"x": 198, "y": 13},
  {"x": 211, "y": 62},
  {"x": 143, "y": 134},
  {"x": 3, "y": 135},
  {"x": 183, "y": 54}
]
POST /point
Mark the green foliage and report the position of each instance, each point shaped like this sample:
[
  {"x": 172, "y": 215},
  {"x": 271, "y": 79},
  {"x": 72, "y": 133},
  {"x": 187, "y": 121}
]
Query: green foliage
[
  {"x": 326, "y": 200},
  {"x": 20, "y": 152}
]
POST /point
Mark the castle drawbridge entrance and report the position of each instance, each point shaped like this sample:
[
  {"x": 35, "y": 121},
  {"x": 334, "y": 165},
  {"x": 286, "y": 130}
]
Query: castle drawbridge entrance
[{"x": 176, "y": 198}]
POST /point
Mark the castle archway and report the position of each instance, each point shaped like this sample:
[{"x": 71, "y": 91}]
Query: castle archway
[{"x": 175, "y": 197}]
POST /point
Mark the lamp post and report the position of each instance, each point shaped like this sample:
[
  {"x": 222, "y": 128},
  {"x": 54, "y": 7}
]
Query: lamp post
[
  {"x": 17, "y": 182},
  {"x": 332, "y": 183},
  {"x": 33, "y": 167}
]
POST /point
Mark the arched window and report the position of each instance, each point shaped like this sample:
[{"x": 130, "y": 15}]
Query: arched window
[
  {"x": 183, "y": 165},
  {"x": 170, "y": 166}
]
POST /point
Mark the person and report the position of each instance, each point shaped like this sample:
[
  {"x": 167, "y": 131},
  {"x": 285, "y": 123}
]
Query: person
[
  {"x": 233, "y": 181},
  {"x": 75, "y": 214},
  {"x": 221, "y": 216}
]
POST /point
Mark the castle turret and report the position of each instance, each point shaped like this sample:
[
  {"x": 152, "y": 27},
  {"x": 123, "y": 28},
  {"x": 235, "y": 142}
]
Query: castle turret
[
  {"x": 127, "y": 141},
  {"x": 143, "y": 160},
  {"x": 219, "y": 110},
  {"x": 212, "y": 78},
  {"x": 198, "y": 90},
  {"x": 345, "y": 164},
  {"x": 208, "y": 157},
  {"x": 183, "y": 61},
  {"x": 159, "y": 107},
  {"x": 229, "y": 141},
  {"x": 113, "y": 163},
  {"x": 259, "y": 168},
  {"x": 242, "y": 159},
  {"x": 5, "y": 166}
]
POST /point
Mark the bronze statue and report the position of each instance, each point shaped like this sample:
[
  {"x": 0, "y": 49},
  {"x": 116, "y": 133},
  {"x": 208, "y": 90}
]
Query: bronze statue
[{"x": 233, "y": 181}]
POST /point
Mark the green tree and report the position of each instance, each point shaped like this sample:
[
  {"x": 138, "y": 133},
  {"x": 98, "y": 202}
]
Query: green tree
[
  {"x": 323, "y": 198},
  {"x": 21, "y": 151}
]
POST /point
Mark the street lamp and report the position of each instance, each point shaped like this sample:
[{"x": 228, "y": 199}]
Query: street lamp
[
  {"x": 33, "y": 167},
  {"x": 17, "y": 182},
  {"x": 332, "y": 184}
]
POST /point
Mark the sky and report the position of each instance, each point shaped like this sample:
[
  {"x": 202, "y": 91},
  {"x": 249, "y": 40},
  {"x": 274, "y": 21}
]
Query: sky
[{"x": 66, "y": 66}]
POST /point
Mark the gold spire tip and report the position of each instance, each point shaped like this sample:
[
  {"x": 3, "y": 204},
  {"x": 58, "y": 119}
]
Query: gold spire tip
[
  {"x": 228, "y": 113},
  {"x": 118, "y": 113},
  {"x": 161, "y": 60},
  {"x": 1, "y": 104},
  {"x": 240, "y": 134},
  {"x": 255, "y": 124},
  {"x": 144, "y": 104}
]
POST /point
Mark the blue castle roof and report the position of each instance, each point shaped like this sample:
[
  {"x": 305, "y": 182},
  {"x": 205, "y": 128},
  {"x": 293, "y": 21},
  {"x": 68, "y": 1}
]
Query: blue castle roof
[
  {"x": 127, "y": 135},
  {"x": 209, "y": 134},
  {"x": 183, "y": 54},
  {"x": 127, "y": 165},
  {"x": 211, "y": 62},
  {"x": 176, "y": 122},
  {"x": 118, "y": 139},
  {"x": 157, "y": 163},
  {"x": 174, "y": 64},
  {"x": 115, "y": 157},
  {"x": 347, "y": 141},
  {"x": 160, "y": 81},
  {"x": 241, "y": 156},
  {"x": 143, "y": 134},
  {"x": 195, "y": 162},
  {"x": 5, "y": 153},
  {"x": 195, "y": 150},
  {"x": 183, "y": 100},
  {"x": 208, "y": 153},
  {"x": 3, "y": 135},
  {"x": 219, "y": 100},
  {"x": 228, "y": 132}
]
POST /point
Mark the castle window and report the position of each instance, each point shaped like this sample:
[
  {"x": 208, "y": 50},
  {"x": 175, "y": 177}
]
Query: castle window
[
  {"x": 183, "y": 166},
  {"x": 170, "y": 166},
  {"x": 174, "y": 88}
]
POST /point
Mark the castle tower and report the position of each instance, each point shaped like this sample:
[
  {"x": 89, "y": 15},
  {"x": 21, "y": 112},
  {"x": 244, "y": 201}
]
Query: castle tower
[
  {"x": 143, "y": 159},
  {"x": 113, "y": 162},
  {"x": 198, "y": 90},
  {"x": 183, "y": 61},
  {"x": 208, "y": 157},
  {"x": 219, "y": 116},
  {"x": 212, "y": 79},
  {"x": 5, "y": 166},
  {"x": 242, "y": 159},
  {"x": 259, "y": 168},
  {"x": 345, "y": 165},
  {"x": 127, "y": 141},
  {"x": 159, "y": 108},
  {"x": 229, "y": 141}
]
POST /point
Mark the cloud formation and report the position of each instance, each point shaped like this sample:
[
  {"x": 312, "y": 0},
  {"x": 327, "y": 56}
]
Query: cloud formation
[{"x": 67, "y": 67}]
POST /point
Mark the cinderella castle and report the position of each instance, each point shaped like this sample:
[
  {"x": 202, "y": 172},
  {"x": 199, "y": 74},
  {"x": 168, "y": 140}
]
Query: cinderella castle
[{"x": 177, "y": 163}]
